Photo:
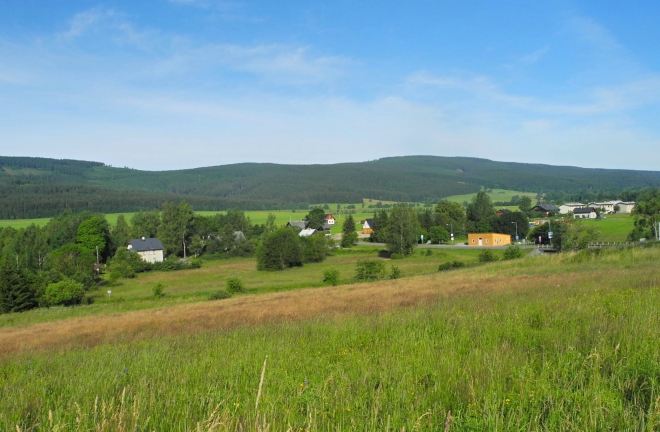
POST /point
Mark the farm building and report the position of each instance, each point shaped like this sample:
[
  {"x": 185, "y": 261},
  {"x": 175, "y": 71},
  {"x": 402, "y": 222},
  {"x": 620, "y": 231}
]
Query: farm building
[
  {"x": 307, "y": 232},
  {"x": 368, "y": 226},
  {"x": 149, "y": 249},
  {"x": 502, "y": 211},
  {"x": 488, "y": 239}
]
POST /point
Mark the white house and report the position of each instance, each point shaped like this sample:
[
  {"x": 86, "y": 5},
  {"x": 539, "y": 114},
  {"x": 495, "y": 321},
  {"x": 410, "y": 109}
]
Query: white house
[
  {"x": 626, "y": 207},
  {"x": 329, "y": 219},
  {"x": 569, "y": 207},
  {"x": 149, "y": 249},
  {"x": 585, "y": 213},
  {"x": 608, "y": 206}
]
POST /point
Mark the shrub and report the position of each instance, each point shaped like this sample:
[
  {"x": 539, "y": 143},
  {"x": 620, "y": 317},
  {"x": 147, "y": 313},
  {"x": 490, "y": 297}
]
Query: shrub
[
  {"x": 66, "y": 292},
  {"x": 487, "y": 256},
  {"x": 512, "y": 252},
  {"x": 369, "y": 270},
  {"x": 395, "y": 272},
  {"x": 279, "y": 250},
  {"x": 331, "y": 276},
  {"x": 158, "y": 288},
  {"x": 219, "y": 295},
  {"x": 114, "y": 277},
  {"x": 396, "y": 256},
  {"x": 428, "y": 252},
  {"x": 450, "y": 265},
  {"x": 234, "y": 285}
]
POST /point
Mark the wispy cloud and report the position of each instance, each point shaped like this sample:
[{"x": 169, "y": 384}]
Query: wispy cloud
[
  {"x": 82, "y": 21},
  {"x": 535, "y": 56}
]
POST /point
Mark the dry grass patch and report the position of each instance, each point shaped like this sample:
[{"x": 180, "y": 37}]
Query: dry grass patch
[{"x": 277, "y": 307}]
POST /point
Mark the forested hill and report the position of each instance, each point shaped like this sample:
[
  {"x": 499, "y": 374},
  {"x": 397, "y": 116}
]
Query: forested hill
[{"x": 39, "y": 187}]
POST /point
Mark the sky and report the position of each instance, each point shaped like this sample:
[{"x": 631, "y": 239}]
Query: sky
[{"x": 173, "y": 84}]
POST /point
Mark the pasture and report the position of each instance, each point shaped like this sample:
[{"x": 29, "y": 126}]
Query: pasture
[
  {"x": 188, "y": 286},
  {"x": 563, "y": 342},
  {"x": 495, "y": 195}
]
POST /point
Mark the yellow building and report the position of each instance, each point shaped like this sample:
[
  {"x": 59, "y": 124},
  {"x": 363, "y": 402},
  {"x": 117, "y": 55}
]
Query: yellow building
[{"x": 488, "y": 239}]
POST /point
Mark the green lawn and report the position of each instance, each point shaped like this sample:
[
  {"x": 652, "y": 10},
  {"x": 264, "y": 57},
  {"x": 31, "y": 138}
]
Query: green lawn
[{"x": 613, "y": 228}]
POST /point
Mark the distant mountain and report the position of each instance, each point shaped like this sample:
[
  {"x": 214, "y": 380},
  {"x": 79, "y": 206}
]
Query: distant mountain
[{"x": 39, "y": 187}]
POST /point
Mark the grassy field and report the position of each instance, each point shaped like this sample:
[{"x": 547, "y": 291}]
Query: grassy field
[
  {"x": 188, "y": 286},
  {"x": 257, "y": 217},
  {"x": 564, "y": 342},
  {"x": 613, "y": 228},
  {"x": 495, "y": 195}
]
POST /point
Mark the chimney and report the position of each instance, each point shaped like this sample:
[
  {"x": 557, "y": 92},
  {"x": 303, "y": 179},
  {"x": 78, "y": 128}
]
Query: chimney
[{"x": 143, "y": 239}]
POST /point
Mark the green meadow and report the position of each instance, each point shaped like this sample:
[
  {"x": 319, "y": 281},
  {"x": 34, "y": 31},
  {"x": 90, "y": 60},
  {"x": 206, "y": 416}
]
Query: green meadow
[
  {"x": 495, "y": 195},
  {"x": 189, "y": 286},
  {"x": 555, "y": 343}
]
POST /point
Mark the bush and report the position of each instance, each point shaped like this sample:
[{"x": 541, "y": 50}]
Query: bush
[
  {"x": 158, "y": 288},
  {"x": 66, "y": 293},
  {"x": 331, "y": 276},
  {"x": 450, "y": 265},
  {"x": 114, "y": 277},
  {"x": 487, "y": 256},
  {"x": 219, "y": 295},
  {"x": 512, "y": 252},
  {"x": 395, "y": 256},
  {"x": 428, "y": 252},
  {"x": 369, "y": 270},
  {"x": 279, "y": 250},
  {"x": 234, "y": 285},
  {"x": 124, "y": 269},
  {"x": 395, "y": 273},
  {"x": 174, "y": 264}
]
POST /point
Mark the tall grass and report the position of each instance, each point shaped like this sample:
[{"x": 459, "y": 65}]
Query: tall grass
[{"x": 579, "y": 350}]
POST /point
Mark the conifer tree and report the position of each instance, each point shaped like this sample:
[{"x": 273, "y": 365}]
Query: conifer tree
[{"x": 348, "y": 235}]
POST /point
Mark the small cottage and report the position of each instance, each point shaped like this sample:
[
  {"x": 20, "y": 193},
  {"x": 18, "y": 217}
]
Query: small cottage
[
  {"x": 585, "y": 213},
  {"x": 150, "y": 250},
  {"x": 368, "y": 226}
]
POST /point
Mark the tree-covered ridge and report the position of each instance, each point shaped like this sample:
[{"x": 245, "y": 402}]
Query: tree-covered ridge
[{"x": 38, "y": 187}]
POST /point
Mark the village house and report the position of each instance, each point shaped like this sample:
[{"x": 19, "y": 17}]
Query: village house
[
  {"x": 570, "y": 207},
  {"x": 585, "y": 213},
  {"x": 546, "y": 209},
  {"x": 614, "y": 206},
  {"x": 150, "y": 250},
  {"x": 502, "y": 211},
  {"x": 488, "y": 239},
  {"x": 368, "y": 226},
  {"x": 329, "y": 219}
]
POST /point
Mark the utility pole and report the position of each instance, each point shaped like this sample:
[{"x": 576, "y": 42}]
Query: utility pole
[
  {"x": 516, "y": 229},
  {"x": 452, "y": 232}
]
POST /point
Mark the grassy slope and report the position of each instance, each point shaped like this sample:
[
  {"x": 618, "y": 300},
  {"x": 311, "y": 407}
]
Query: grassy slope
[
  {"x": 549, "y": 343},
  {"x": 190, "y": 286}
]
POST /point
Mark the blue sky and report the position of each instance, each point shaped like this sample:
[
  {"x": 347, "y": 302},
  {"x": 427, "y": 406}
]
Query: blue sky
[{"x": 186, "y": 83}]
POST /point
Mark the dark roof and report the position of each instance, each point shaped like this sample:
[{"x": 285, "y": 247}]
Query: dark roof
[
  {"x": 504, "y": 211},
  {"x": 584, "y": 210},
  {"x": 547, "y": 207},
  {"x": 299, "y": 224},
  {"x": 370, "y": 222},
  {"x": 147, "y": 244}
]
